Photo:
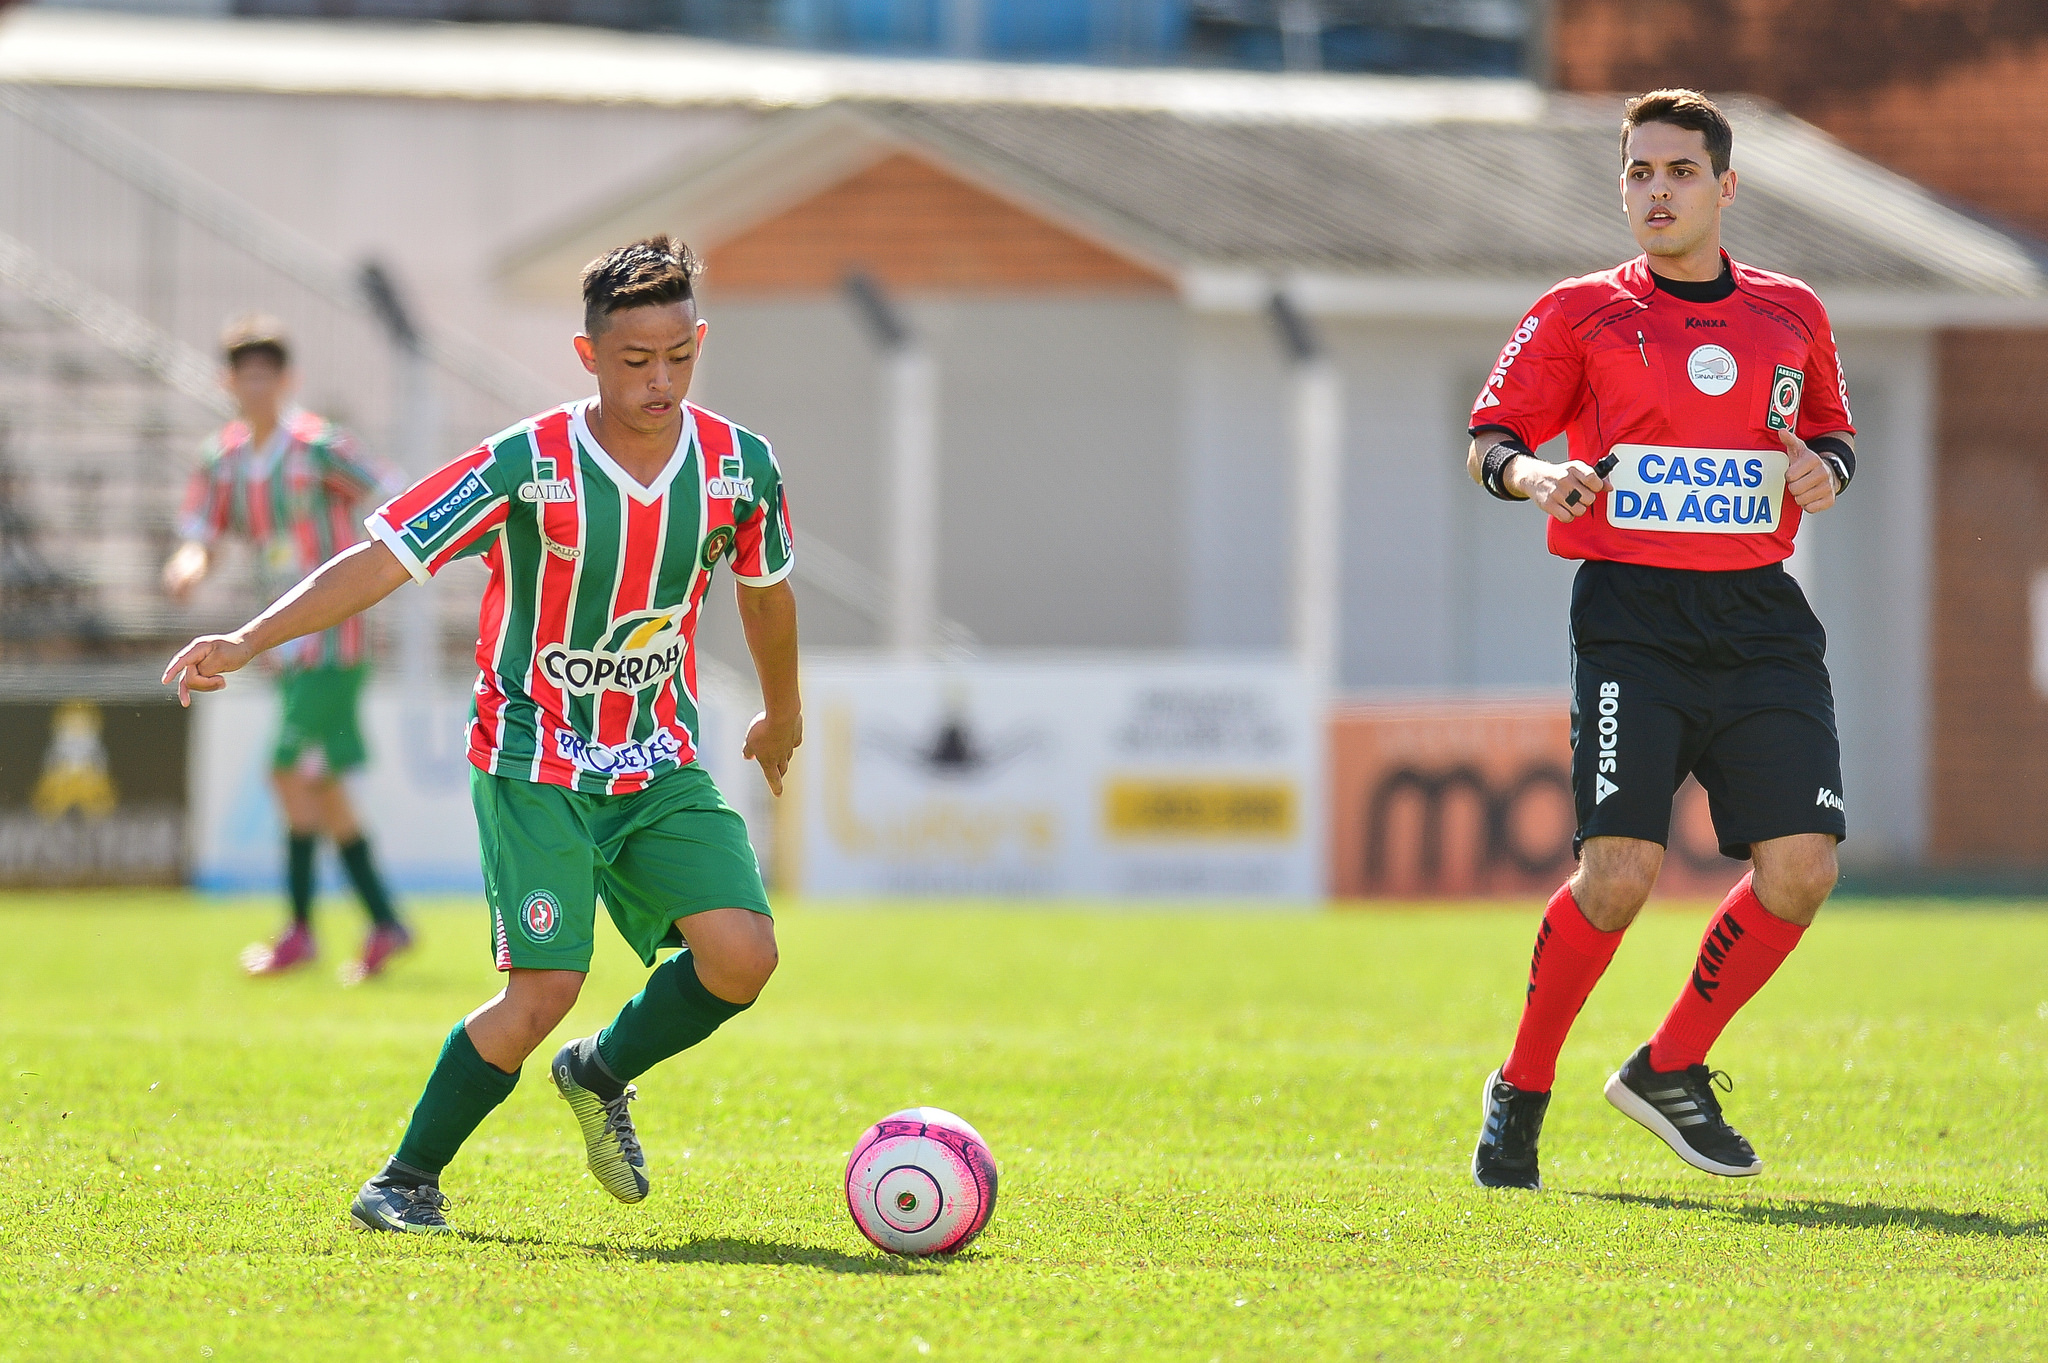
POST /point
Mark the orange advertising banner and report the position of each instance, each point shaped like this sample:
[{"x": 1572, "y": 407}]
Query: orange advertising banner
[{"x": 1447, "y": 799}]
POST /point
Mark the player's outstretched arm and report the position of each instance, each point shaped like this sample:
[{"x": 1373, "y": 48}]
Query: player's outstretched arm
[
  {"x": 348, "y": 584},
  {"x": 768, "y": 614}
]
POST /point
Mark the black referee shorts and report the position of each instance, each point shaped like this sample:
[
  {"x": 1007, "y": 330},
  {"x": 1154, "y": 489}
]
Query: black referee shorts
[{"x": 1719, "y": 675}]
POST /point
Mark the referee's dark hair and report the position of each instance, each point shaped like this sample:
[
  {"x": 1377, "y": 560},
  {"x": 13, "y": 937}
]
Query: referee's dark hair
[
  {"x": 644, "y": 274},
  {"x": 1682, "y": 109}
]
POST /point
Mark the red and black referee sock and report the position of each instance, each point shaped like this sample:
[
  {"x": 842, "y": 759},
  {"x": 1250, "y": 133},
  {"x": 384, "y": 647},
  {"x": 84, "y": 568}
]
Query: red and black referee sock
[
  {"x": 1570, "y": 957},
  {"x": 1744, "y": 945}
]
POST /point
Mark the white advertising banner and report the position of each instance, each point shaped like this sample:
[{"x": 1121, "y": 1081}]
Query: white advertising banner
[
  {"x": 412, "y": 799},
  {"x": 1047, "y": 777}
]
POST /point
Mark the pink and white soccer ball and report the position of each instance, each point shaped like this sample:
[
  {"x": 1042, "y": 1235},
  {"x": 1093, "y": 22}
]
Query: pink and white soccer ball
[{"x": 921, "y": 1181}]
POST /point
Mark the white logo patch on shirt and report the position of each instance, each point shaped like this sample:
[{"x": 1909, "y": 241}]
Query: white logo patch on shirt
[
  {"x": 1708, "y": 492},
  {"x": 1711, "y": 369}
]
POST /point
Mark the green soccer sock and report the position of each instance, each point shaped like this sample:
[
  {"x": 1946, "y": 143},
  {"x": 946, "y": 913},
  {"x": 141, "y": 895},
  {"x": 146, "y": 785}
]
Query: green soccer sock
[
  {"x": 362, "y": 873},
  {"x": 460, "y": 1093},
  {"x": 673, "y": 1013},
  {"x": 298, "y": 874}
]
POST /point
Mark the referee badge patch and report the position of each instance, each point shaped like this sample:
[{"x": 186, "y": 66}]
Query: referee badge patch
[
  {"x": 1787, "y": 386},
  {"x": 540, "y": 915}
]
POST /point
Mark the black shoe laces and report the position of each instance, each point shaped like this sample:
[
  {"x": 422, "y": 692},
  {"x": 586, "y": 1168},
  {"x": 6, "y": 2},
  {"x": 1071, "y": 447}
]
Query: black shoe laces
[
  {"x": 425, "y": 1205},
  {"x": 618, "y": 1124},
  {"x": 1703, "y": 1081}
]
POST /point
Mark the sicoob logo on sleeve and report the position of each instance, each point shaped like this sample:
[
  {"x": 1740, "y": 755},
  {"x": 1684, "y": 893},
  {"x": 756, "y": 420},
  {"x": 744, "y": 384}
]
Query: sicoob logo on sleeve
[{"x": 424, "y": 528}]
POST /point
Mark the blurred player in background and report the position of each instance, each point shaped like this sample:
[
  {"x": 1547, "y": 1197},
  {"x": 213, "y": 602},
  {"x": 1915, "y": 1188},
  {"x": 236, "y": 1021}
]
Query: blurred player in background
[
  {"x": 1706, "y": 414},
  {"x": 294, "y": 487},
  {"x": 600, "y": 523}
]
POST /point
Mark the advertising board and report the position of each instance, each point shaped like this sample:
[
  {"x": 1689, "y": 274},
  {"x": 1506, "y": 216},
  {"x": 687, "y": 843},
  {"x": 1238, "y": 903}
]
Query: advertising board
[
  {"x": 1451, "y": 798},
  {"x": 92, "y": 792},
  {"x": 1056, "y": 778}
]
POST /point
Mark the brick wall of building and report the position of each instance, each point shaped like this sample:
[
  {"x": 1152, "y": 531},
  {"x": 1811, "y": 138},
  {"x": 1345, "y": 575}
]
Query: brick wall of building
[
  {"x": 1989, "y": 754},
  {"x": 912, "y": 226},
  {"x": 1943, "y": 91}
]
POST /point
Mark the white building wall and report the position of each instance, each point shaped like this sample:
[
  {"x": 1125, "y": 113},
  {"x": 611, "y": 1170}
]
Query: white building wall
[
  {"x": 440, "y": 190},
  {"x": 1060, "y": 489},
  {"x": 1867, "y": 566}
]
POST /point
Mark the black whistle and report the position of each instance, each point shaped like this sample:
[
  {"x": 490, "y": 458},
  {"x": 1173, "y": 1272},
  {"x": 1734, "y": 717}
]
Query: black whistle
[{"x": 1603, "y": 468}]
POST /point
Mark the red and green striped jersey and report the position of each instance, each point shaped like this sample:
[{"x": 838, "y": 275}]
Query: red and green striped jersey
[
  {"x": 586, "y": 642},
  {"x": 296, "y": 501}
]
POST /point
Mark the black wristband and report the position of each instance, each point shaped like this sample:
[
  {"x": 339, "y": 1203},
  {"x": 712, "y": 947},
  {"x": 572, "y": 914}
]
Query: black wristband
[
  {"x": 1494, "y": 463},
  {"x": 1839, "y": 453}
]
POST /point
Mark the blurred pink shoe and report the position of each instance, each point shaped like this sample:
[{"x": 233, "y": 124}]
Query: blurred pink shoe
[
  {"x": 295, "y": 948},
  {"x": 385, "y": 941}
]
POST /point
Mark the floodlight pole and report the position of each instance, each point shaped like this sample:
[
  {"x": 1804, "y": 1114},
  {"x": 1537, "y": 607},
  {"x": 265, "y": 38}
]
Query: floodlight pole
[
  {"x": 911, "y": 516},
  {"x": 419, "y": 653},
  {"x": 1315, "y": 430}
]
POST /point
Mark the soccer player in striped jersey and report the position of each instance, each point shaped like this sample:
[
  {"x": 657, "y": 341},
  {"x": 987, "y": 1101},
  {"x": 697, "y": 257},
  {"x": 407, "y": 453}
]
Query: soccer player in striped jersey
[
  {"x": 600, "y": 524},
  {"x": 292, "y": 486}
]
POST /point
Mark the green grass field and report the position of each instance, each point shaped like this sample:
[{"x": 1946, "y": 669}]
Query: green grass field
[{"x": 1223, "y": 1135}]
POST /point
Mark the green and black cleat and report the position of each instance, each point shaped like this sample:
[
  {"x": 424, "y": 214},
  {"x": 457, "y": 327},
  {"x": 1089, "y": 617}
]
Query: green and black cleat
[{"x": 611, "y": 1147}]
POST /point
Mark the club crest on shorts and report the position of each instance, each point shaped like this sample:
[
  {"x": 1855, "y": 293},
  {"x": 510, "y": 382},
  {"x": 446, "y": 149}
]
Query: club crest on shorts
[
  {"x": 1787, "y": 386},
  {"x": 1711, "y": 369},
  {"x": 541, "y": 915},
  {"x": 716, "y": 544}
]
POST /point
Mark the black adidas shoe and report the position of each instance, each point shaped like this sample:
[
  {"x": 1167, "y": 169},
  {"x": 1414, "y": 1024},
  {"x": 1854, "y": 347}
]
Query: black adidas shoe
[
  {"x": 1506, "y": 1155},
  {"x": 611, "y": 1147},
  {"x": 1679, "y": 1107}
]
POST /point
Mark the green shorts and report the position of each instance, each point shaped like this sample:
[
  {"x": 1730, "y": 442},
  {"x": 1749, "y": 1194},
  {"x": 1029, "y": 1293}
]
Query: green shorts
[
  {"x": 662, "y": 853},
  {"x": 319, "y": 724}
]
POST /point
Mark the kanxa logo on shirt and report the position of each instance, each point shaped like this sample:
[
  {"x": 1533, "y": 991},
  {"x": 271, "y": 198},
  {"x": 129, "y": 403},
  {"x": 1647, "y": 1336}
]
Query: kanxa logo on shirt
[
  {"x": 639, "y": 649},
  {"x": 1692, "y": 322}
]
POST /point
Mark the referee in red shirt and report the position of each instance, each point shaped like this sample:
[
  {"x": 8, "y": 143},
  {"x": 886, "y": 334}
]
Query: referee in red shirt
[{"x": 1706, "y": 414}]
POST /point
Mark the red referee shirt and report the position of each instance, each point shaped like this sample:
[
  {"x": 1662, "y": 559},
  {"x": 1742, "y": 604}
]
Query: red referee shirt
[{"x": 1689, "y": 396}]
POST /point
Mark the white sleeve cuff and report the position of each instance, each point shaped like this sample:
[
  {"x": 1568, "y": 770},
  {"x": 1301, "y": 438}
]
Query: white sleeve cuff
[
  {"x": 380, "y": 530},
  {"x": 769, "y": 580}
]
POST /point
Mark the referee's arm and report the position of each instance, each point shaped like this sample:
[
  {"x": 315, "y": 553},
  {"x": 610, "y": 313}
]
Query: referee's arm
[
  {"x": 1527, "y": 478},
  {"x": 1812, "y": 479}
]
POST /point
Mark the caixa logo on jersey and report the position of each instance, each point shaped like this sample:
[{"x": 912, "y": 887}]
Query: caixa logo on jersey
[{"x": 639, "y": 650}]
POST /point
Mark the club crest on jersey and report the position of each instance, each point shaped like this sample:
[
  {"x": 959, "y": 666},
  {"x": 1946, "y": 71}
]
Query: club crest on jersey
[
  {"x": 438, "y": 517},
  {"x": 1787, "y": 385},
  {"x": 1711, "y": 369},
  {"x": 541, "y": 915},
  {"x": 638, "y": 651},
  {"x": 716, "y": 545}
]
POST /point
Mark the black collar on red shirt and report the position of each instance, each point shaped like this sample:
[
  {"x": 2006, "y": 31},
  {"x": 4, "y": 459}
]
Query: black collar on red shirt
[{"x": 1699, "y": 290}]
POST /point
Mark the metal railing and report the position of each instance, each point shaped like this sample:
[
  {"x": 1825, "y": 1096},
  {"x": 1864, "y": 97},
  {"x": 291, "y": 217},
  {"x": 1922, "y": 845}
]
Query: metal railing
[{"x": 138, "y": 261}]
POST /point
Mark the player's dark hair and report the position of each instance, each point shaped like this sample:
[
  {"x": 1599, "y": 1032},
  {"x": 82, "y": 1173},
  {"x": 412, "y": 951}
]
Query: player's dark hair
[
  {"x": 1682, "y": 109},
  {"x": 255, "y": 336},
  {"x": 649, "y": 273}
]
